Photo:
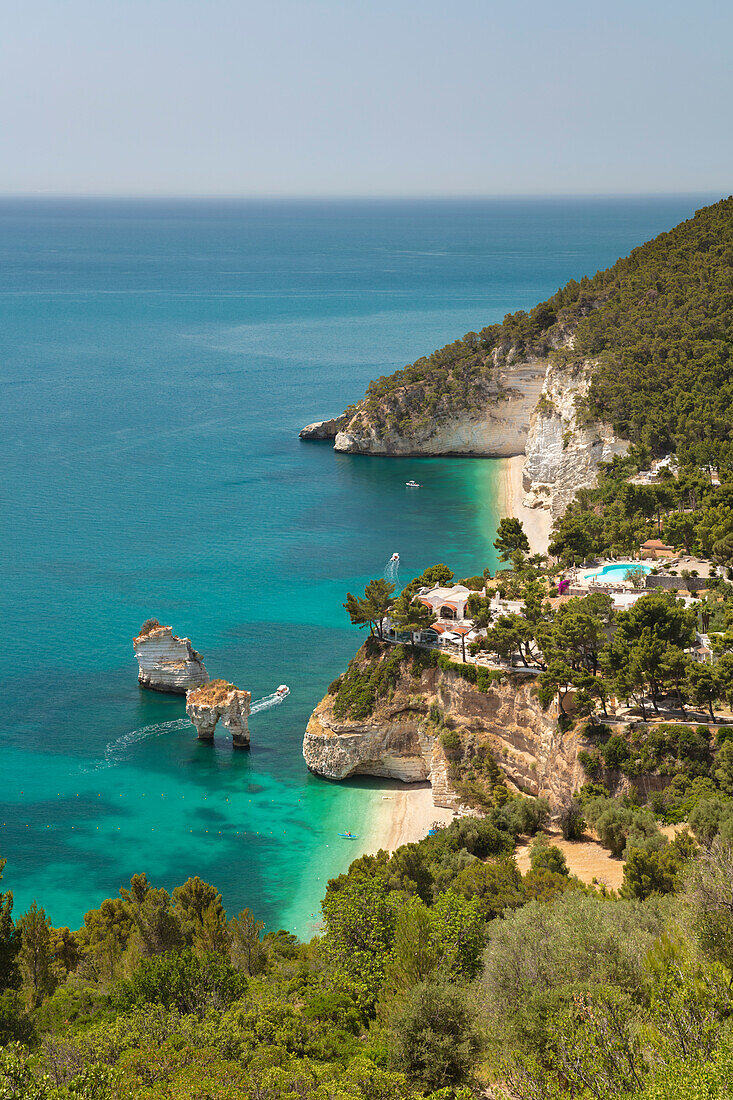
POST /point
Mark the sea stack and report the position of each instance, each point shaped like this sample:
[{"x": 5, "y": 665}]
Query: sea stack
[
  {"x": 220, "y": 700},
  {"x": 167, "y": 663}
]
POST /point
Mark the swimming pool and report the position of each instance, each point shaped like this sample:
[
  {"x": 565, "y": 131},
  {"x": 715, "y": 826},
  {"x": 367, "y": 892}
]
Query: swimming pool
[{"x": 616, "y": 571}]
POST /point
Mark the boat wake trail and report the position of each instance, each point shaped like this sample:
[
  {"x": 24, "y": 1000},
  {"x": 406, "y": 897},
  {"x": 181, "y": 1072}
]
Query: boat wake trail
[
  {"x": 392, "y": 569},
  {"x": 116, "y": 751},
  {"x": 267, "y": 701}
]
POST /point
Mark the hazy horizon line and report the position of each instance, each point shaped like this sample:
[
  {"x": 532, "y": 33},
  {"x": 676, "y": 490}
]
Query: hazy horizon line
[{"x": 354, "y": 196}]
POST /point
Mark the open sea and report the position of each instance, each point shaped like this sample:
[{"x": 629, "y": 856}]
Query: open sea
[{"x": 157, "y": 360}]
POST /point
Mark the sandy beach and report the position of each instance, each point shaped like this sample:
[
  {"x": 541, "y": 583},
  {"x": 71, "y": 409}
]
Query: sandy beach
[
  {"x": 407, "y": 815},
  {"x": 537, "y": 521}
]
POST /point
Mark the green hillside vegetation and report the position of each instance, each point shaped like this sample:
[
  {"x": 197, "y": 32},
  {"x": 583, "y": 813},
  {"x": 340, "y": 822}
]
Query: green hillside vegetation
[
  {"x": 659, "y": 323},
  {"x": 439, "y": 971},
  {"x": 689, "y": 512}
]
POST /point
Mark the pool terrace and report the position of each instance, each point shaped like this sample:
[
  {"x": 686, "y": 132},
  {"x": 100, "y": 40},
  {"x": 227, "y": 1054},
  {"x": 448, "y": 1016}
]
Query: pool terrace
[{"x": 613, "y": 573}]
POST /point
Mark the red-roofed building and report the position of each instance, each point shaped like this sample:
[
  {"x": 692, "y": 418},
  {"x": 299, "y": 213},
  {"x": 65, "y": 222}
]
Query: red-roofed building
[
  {"x": 655, "y": 548},
  {"x": 447, "y": 602}
]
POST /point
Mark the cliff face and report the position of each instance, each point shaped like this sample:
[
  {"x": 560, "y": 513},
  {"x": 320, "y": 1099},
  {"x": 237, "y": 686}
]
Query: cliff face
[
  {"x": 217, "y": 701},
  {"x": 564, "y": 447},
  {"x": 496, "y": 427},
  {"x": 526, "y": 405},
  {"x": 167, "y": 663},
  {"x": 399, "y": 741},
  {"x": 322, "y": 429}
]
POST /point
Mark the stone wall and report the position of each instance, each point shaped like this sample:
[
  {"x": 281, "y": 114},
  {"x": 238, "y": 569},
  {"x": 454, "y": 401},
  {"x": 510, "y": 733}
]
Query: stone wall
[{"x": 682, "y": 584}]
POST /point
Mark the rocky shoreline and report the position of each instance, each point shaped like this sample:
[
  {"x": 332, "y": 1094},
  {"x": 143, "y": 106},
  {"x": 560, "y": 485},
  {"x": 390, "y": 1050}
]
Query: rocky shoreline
[
  {"x": 529, "y": 412},
  {"x": 400, "y": 739}
]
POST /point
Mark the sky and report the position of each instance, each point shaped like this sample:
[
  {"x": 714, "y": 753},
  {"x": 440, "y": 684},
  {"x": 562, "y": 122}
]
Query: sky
[{"x": 365, "y": 97}]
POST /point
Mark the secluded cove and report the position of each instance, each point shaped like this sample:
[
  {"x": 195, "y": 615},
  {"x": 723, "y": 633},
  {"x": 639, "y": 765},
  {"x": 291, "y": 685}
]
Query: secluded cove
[{"x": 167, "y": 357}]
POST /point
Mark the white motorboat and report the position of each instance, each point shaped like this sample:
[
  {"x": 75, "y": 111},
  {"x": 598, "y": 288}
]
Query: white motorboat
[
  {"x": 283, "y": 690},
  {"x": 395, "y": 558},
  {"x": 412, "y": 484}
]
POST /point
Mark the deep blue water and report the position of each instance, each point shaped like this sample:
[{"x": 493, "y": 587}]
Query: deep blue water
[{"x": 157, "y": 361}]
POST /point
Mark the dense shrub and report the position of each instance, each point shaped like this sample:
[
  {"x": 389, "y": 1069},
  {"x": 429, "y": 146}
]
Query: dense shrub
[
  {"x": 434, "y": 1039},
  {"x": 367, "y": 680},
  {"x": 181, "y": 980}
]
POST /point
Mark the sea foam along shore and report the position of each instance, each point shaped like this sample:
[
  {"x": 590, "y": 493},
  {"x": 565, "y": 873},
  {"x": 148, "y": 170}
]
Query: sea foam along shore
[{"x": 537, "y": 521}]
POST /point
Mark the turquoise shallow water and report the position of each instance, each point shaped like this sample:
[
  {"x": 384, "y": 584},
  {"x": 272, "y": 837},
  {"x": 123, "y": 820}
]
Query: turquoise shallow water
[{"x": 157, "y": 361}]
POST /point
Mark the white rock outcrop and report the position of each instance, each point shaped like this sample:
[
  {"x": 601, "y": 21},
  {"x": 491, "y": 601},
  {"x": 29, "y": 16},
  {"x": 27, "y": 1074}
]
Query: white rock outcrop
[
  {"x": 322, "y": 429},
  {"x": 398, "y": 741},
  {"x": 564, "y": 448},
  {"x": 167, "y": 663},
  {"x": 497, "y": 429},
  {"x": 220, "y": 701},
  {"x": 397, "y": 749}
]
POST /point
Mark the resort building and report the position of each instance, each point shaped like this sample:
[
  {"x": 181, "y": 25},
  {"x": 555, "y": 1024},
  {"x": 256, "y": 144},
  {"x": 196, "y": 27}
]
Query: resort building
[
  {"x": 506, "y": 607},
  {"x": 646, "y": 477},
  {"x": 452, "y": 627},
  {"x": 656, "y": 549},
  {"x": 446, "y": 632},
  {"x": 447, "y": 603},
  {"x": 702, "y": 650}
]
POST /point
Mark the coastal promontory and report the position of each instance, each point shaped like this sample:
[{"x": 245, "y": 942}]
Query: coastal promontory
[
  {"x": 605, "y": 363},
  {"x": 323, "y": 429},
  {"x": 417, "y": 717},
  {"x": 167, "y": 663}
]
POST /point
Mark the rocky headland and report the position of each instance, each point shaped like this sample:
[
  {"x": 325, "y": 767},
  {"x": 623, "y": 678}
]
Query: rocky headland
[
  {"x": 604, "y": 363},
  {"x": 521, "y": 401},
  {"x": 323, "y": 429},
  {"x": 220, "y": 701},
  {"x": 437, "y": 725},
  {"x": 496, "y": 425},
  {"x": 167, "y": 663}
]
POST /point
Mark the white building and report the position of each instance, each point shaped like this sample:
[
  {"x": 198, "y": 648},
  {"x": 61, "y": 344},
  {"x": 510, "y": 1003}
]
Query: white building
[{"x": 449, "y": 603}]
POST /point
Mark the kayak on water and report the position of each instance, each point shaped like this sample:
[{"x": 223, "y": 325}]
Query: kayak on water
[{"x": 348, "y": 836}]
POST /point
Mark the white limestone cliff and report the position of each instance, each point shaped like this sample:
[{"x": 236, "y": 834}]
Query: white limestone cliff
[
  {"x": 220, "y": 701},
  {"x": 525, "y": 405},
  {"x": 496, "y": 428},
  {"x": 322, "y": 429},
  {"x": 564, "y": 447},
  {"x": 398, "y": 740},
  {"x": 167, "y": 663}
]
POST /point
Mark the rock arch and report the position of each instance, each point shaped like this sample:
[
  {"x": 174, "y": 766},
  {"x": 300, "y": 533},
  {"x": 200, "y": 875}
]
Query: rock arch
[{"x": 220, "y": 700}]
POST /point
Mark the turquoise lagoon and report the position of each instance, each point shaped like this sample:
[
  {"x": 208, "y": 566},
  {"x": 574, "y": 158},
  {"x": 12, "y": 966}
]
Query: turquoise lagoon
[{"x": 158, "y": 359}]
